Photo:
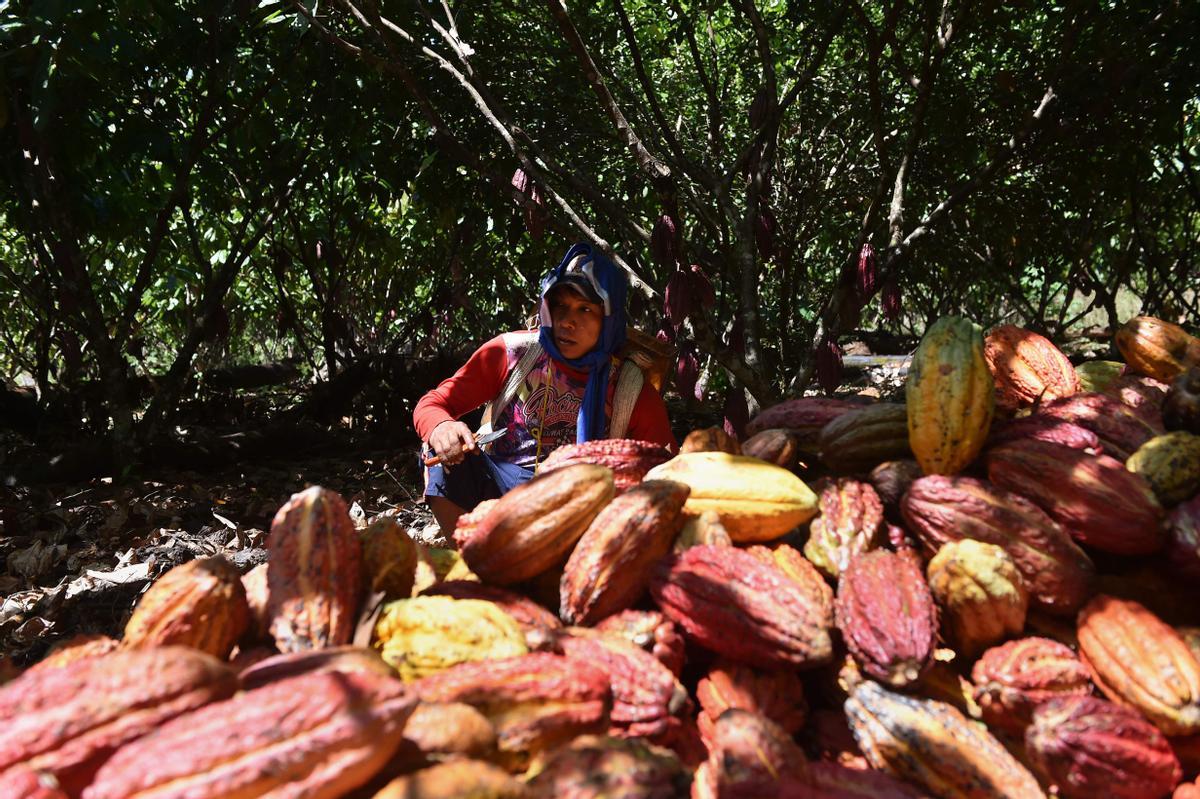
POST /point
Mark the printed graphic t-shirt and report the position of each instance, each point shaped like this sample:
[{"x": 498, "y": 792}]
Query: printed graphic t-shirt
[{"x": 547, "y": 403}]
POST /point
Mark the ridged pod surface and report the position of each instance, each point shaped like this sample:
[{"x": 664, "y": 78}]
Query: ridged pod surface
[
  {"x": 859, "y": 440},
  {"x": 316, "y": 735},
  {"x": 1012, "y": 679},
  {"x": 934, "y": 746},
  {"x": 1121, "y": 429},
  {"x": 887, "y": 617},
  {"x": 755, "y": 500},
  {"x": 850, "y": 521},
  {"x": 200, "y": 604},
  {"x": 1181, "y": 408},
  {"x": 710, "y": 439},
  {"x": 751, "y": 756},
  {"x": 1057, "y": 573},
  {"x": 981, "y": 592},
  {"x": 347, "y": 659},
  {"x": 457, "y": 779},
  {"x": 949, "y": 396},
  {"x": 734, "y": 604},
  {"x": 596, "y": 767},
  {"x": 1026, "y": 367},
  {"x": 389, "y": 557},
  {"x": 1145, "y": 395},
  {"x": 1098, "y": 501},
  {"x": 1171, "y": 465},
  {"x": 777, "y": 694},
  {"x": 535, "y": 701},
  {"x": 803, "y": 418},
  {"x": 651, "y": 631},
  {"x": 531, "y": 616},
  {"x": 443, "y": 731},
  {"x": 428, "y": 634},
  {"x": 1140, "y": 661},
  {"x": 254, "y": 584},
  {"x": 648, "y": 701},
  {"x": 833, "y": 781},
  {"x": 1088, "y": 747},
  {"x": 1044, "y": 427},
  {"x": 68, "y": 720},
  {"x": 22, "y": 782},
  {"x": 628, "y": 458},
  {"x": 315, "y": 580},
  {"x": 1183, "y": 538},
  {"x": 609, "y": 569},
  {"x": 534, "y": 526},
  {"x": 773, "y": 446},
  {"x": 1157, "y": 348}
]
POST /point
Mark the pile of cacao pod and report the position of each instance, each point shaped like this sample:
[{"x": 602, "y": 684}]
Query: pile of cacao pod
[{"x": 986, "y": 592}]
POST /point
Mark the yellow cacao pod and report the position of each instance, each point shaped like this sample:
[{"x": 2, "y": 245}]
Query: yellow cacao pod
[
  {"x": 427, "y": 634},
  {"x": 1171, "y": 465}
]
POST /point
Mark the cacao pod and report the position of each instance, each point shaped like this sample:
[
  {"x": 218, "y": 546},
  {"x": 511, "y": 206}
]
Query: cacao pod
[
  {"x": 734, "y": 604},
  {"x": 1171, "y": 465},
  {"x": 200, "y": 604},
  {"x": 703, "y": 529},
  {"x": 1138, "y": 660},
  {"x": 315, "y": 580},
  {"x": 775, "y": 694},
  {"x": 710, "y": 439},
  {"x": 1044, "y": 427},
  {"x": 773, "y": 446},
  {"x": 850, "y": 521},
  {"x": 1027, "y": 368},
  {"x": 833, "y": 781},
  {"x": 389, "y": 558},
  {"x": 68, "y": 720},
  {"x": 887, "y": 617},
  {"x": 803, "y": 418},
  {"x": 534, "y": 526},
  {"x": 756, "y": 501},
  {"x": 751, "y": 756},
  {"x": 1012, "y": 679},
  {"x": 1157, "y": 348},
  {"x": 629, "y": 459},
  {"x": 1098, "y": 501},
  {"x": 650, "y": 630},
  {"x": 891, "y": 479},
  {"x": 76, "y": 648},
  {"x": 595, "y": 767},
  {"x": 534, "y": 620},
  {"x": 1120, "y": 429},
  {"x": 22, "y": 782},
  {"x": 1097, "y": 375},
  {"x": 459, "y": 779},
  {"x": 254, "y": 585},
  {"x": 949, "y": 396},
  {"x": 609, "y": 569},
  {"x": 867, "y": 275},
  {"x": 861, "y": 439},
  {"x": 1183, "y": 538},
  {"x": 932, "y": 745},
  {"x": 444, "y": 731},
  {"x": 1144, "y": 395},
  {"x": 1056, "y": 572},
  {"x": 317, "y": 735},
  {"x": 981, "y": 591},
  {"x": 829, "y": 365},
  {"x": 1087, "y": 747},
  {"x": 1181, "y": 409},
  {"x": 291, "y": 664},
  {"x": 427, "y": 634}
]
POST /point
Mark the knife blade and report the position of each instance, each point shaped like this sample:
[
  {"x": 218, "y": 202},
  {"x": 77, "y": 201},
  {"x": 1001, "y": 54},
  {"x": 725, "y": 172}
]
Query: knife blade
[{"x": 480, "y": 440}]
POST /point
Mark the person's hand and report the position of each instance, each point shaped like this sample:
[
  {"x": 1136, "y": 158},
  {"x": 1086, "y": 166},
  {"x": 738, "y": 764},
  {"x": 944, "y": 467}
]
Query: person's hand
[{"x": 452, "y": 440}]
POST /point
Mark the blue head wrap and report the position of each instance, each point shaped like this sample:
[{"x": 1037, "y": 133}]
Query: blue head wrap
[{"x": 610, "y": 284}]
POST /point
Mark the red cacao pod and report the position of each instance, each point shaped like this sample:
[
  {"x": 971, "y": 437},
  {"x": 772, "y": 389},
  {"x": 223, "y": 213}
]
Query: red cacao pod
[
  {"x": 1012, "y": 679},
  {"x": 1181, "y": 409},
  {"x": 1120, "y": 429},
  {"x": 866, "y": 277},
  {"x": 804, "y": 418},
  {"x": 829, "y": 365},
  {"x": 628, "y": 458},
  {"x": 650, "y": 630},
  {"x": 665, "y": 240},
  {"x": 775, "y": 694}
]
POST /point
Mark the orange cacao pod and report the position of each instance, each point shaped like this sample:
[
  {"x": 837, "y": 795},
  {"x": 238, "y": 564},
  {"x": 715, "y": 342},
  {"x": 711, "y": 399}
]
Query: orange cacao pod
[
  {"x": 932, "y": 745},
  {"x": 648, "y": 701},
  {"x": 389, "y": 557},
  {"x": 254, "y": 585},
  {"x": 1157, "y": 348},
  {"x": 535, "y": 701},
  {"x": 610, "y": 566},
  {"x": 1140, "y": 661},
  {"x": 533, "y": 527},
  {"x": 776, "y": 694},
  {"x": 443, "y": 731},
  {"x": 68, "y": 720},
  {"x": 1057, "y": 573},
  {"x": 734, "y": 604},
  {"x": 595, "y": 767},
  {"x": 1012, "y": 679},
  {"x": 1027, "y": 368},
  {"x": 650, "y": 630},
  {"x": 200, "y": 604},
  {"x": 317, "y": 735},
  {"x": 628, "y": 458},
  {"x": 315, "y": 580},
  {"x": 1088, "y": 747},
  {"x": 850, "y": 521},
  {"x": 887, "y": 617},
  {"x": 1097, "y": 500}
]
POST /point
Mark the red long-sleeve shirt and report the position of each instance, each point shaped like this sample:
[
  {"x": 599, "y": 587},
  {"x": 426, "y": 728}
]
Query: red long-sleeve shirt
[{"x": 546, "y": 404}]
